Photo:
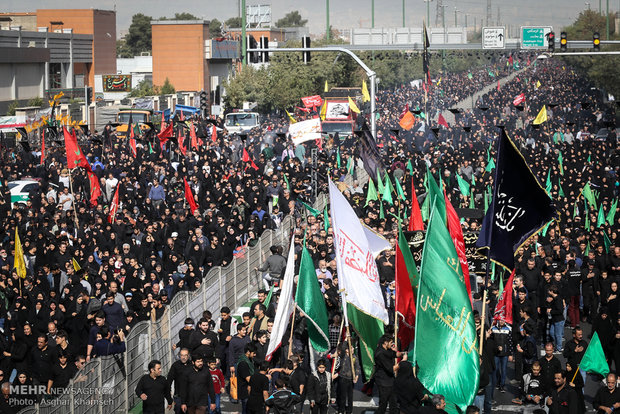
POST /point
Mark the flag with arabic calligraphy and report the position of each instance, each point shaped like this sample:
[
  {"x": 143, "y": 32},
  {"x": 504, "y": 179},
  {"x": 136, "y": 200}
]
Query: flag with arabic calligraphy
[
  {"x": 520, "y": 208},
  {"x": 446, "y": 353},
  {"x": 358, "y": 277}
]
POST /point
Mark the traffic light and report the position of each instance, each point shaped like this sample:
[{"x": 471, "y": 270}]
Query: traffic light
[
  {"x": 305, "y": 43},
  {"x": 264, "y": 44},
  {"x": 596, "y": 42},
  {"x": 204, "y": 103},
  {"x": 563, "y": 41},
  {"x": 252, "y": 57},
  {"x": 551, "y": 42}
]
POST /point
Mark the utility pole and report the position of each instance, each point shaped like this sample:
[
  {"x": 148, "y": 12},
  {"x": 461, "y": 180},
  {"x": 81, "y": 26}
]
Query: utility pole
[
  {"x": 498, "y": 16},
  {"x": 404, "y": 14},
  {"x": 328, "y": 32},
  {"x": 607, "y": 22},
  {"x": 438, "y": 14},
  {"x": 372, "y": 24},
  {"x": 489, "y": 12},
  {"x": 244, "y": 45},
  {"x": 455, "y": 21}
]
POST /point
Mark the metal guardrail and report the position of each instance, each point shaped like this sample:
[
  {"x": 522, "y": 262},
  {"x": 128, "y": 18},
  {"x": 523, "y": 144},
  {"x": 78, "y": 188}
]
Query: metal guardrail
[{"x": 106, "y": 385}]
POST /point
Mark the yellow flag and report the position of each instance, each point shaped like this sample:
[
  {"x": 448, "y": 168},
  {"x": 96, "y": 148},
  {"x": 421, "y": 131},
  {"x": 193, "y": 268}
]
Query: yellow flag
[
  {"x": 326, "y": 86},
  {"x": 323, "y": 111},
  {"x": 538, "y": 84},
  {"x": 290, "y": 117},
  {"x": 439, "y": 82},
  {"x": 365, "y": 93},
  {"x": 76, "y": 265},
  {"x": 352, "y": 106},
  {"x": 19, "y": 264},
  {"x": 58, "y": 96},
  {"x": 542, "y": 116}
]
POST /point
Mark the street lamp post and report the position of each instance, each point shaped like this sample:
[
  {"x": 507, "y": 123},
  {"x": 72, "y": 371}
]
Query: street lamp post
[
  {"x": 372, "y": 12},
  {"x": 244, "y": 45},
  {"x": 328, "y": 33},
  {"x": 404, "y": 13}
]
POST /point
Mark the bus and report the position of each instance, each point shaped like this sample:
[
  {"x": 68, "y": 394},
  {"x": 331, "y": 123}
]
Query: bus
[{"x": 237, "y": 122}]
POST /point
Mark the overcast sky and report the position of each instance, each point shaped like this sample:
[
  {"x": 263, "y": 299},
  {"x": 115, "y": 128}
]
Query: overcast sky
[{"x": 344, "y": 14}]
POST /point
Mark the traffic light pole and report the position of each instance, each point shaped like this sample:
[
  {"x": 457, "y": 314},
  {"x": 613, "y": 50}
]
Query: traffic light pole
[
  {"x": 372, "y": 76},
  {"x": 244, "y": 45}
]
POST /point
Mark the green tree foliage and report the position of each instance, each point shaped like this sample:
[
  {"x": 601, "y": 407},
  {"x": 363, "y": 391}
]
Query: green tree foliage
[
  {"x": 167, "y": 88},
  {"x": 602, "y": 70},
  {"x": 215, "y": 28},
  {"x": 181, "y": 16},
  {"x": 10, "y": 111},
  {"x": 122, "y": 49},
  {"x": 38, "y": 101},
  {"x": 292, "y": 19},
  {"x": 144, "y": 88},
  {"x": 233, "y": 22},
  {"x": 138, "y": 39}
]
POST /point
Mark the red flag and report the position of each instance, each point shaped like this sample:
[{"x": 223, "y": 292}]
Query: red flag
[
  {"x": 132, "y": 146},
  {"x": 75, "y": 158},
  {"x": 189, "y": 196},
  {"x": 167, "y": 132},
  {"x": 519, "y": 99},
  {"x": 415, "y": 220},
  {"x": 456, "y": 233},
  {"x": 213, "y": 133},
  {"x": 43, "y": 146},
  {"x": 510, "y": 60},
  {"x": 498, "y": 84},
  {"x": 405, "y": 306},
  {"x": 180, "y": 140},
  {"x": 246, "y": 158},
  {"x": 403, "y": 113},
  {"x": 114, "y": 205},
  {"x": 503, "y": 309},
  {"x": 192, "y": 134},
  {"x": 442, "y": 121},
  {"x": 181, "y": 116},
  {"x": 95, "y": 188}
]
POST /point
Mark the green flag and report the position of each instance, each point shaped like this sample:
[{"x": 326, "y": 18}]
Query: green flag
[
  {"x": 469, "y": 75},
  {"x": 447, "y": 353},
  {"x": 288, "y": 186},
  {"x": 436, "y": 195},
  {"x": 410, "y": 167},
  {"x": 561, "y": 190},
  {"x": 490, "y": 165},
  {"x": 612, "y": 213},
  {"x": 310, "y": 301},
  {"x": 388, "y": 187},
  {"x": 606, "y": 242},
  {"x": 314, "y": 212},
  {"x": 486, "y": 202},
  {"x": 593, "y": 359},
  {"x": 549, "y": 185},
  {"x": 381, "y": 212},
  {"x": 589, "y": 195},
  {"x": 601, "y": 217},
  {"x": 425, "y": 210},
  {"x": 546, "y": 228},
  {"x": 387, "y": 196},
  {"x": 338, "y": 158},
  {"x": 150, "y": 148},
  {"x": 380, "y": 188},
  {"x": 325, "y": 219},
  {"x": 472, "y": 203},
  {"x": 587, "y": 251},
  {"x": 491, "y": 74},
  {"x": 350, "y": 166},
  {"x": 399, "y": 190},
  {"x": 561, "y": 162},
  {"x": 463, "y": 185},
  {"x": 269, "y": 295},
  {"x": 575, "y": 211},
  {"x": 372, "y": 192}
]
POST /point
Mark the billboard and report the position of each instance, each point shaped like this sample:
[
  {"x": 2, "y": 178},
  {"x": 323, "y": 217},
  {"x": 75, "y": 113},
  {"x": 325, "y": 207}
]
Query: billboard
[{"x": 116, "y": 83}]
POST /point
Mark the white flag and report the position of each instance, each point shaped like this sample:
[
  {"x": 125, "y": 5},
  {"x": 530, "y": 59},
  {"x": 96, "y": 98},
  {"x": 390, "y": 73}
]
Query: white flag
[
  {"x": 286, "y": 304},
  {"x": 376, "y": 242},
  {"x": 305, "y": 130},
  {"x": 357, "y": 271}
]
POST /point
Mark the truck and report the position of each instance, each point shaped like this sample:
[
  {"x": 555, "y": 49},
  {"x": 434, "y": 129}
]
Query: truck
[
  {"x": 138, "y": 116},
  {"x": 338, "y": 116},
  {"x": 238, "y": 122}
]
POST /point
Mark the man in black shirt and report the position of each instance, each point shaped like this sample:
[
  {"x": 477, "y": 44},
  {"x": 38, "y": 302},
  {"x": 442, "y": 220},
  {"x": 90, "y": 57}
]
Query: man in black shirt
[
  {"x": 259, "y": 390},
  {"x": 282, "y": 400},
  {"x": 203, "y": 341},
  {"x": 385, "y": 356},
  {"x": 245, "y": 370},
  {"x": 198, "y": 388},
  {"x": 152, "y": 389},
  {"x": 62, "y": 372},
  {"x": 563, "y": 399},
  {"x": 607, "y": 398},
  {"x": 225, "y": 327},
  {"x": 574, "y": 286},
  {"x": 549, "y": 365},
  {"x": 575, "y": 348},
  {"x": 177, "y": 375},
  {"x": 43, "y": 358}
]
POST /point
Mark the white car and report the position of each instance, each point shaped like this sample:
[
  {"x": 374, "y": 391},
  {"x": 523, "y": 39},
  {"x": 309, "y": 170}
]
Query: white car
[{"x": 21, "y": 189}]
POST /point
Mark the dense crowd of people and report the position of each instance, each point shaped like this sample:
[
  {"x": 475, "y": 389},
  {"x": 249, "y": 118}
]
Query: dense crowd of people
[{"x": 93, "y": 272}]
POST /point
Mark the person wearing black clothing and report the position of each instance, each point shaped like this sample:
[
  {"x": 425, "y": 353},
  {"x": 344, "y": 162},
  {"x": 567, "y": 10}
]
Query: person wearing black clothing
[
  {"x": 259, "y": 390},
  {"x": 203, "y": 341},
  {"x": 62, "y": 372},
  {"x": 533, "y": 391},
  {"x": 177, "y": 376},
  {"x": 549, "y": 365},
  {"x": 576, "y": 383},
  {"x": 320, "y": 389},
  {"x": 589, "y": 281},
  {"x": 198, "y": 388},
  {"x": 410, "y": 393},
  {"x": 225, "y": 328},
  {"x": 563, "y": 399},
  {"x": 245, "y": 370},
  {"x": 347, "y": 377},
  {"x": 43, "y": 358},
  {"x": 236, "y": 346},
  {"x": 152, "y": 389},
  {"x": 527, "y": 348},
  {"x": 185, "y": 334},
  {"x": 608, "y": 397},
  {"x": 574, "y": 291},
  {"x": 282, "y": 401},
  {"x": 575, "y": 348},
  {"x": 385, "y": 355}
]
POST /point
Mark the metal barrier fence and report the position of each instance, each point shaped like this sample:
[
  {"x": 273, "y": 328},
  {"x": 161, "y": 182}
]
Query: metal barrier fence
[{"x": 106, "y": 385}]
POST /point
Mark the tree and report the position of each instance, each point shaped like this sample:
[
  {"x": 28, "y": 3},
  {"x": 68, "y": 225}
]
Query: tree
[
  {"x": 138, "y": 39},
  {"x": 215, "y": 28},
  {"x": 10, "y": 111},
  {"x": 181, "y": 16},
  {"x": 144, "y": 88},
  {"x": 292, "y": 19},
  {"x": 233, "y": 22},
  {"x": 122, "y": 49},
  {"x": 167, "y": 88},
  {"x": 38, "y": 101}
]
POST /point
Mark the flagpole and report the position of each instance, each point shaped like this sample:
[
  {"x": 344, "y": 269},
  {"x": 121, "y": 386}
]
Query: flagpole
[
  {"x": 338, "y": 345},
  {"x": 290, "y": 338},
  {"x": 77, "y": 225},
  {"x": 346, "y": 323},
  {"x": 576, "y": 372}
]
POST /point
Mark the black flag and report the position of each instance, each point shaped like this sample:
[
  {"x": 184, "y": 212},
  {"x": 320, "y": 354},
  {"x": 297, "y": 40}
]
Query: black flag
[
  {"x": 520, "y": 208},
  {"x": 425, "y": 66},
  {"x": 369, "y": 153}
]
